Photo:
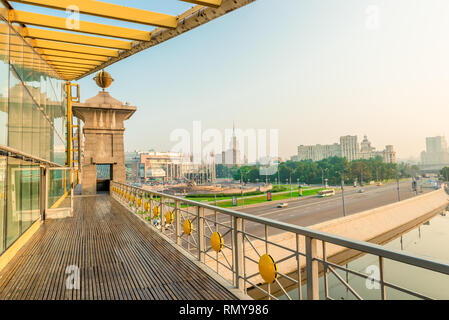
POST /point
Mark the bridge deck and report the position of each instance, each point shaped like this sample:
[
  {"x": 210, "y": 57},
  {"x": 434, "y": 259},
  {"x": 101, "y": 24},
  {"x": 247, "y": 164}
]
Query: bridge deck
[{"x": 118, "y": 258}]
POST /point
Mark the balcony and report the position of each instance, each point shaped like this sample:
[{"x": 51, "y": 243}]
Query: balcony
[{"x": 111, "y": 255}]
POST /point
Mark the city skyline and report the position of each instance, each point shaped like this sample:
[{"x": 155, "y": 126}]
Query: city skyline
[
  {"x": 83, "y": 219},
  {"x": 323, "y": 74}
]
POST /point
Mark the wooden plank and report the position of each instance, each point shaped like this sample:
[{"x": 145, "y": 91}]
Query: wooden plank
[{"x": 119, "y": 257}]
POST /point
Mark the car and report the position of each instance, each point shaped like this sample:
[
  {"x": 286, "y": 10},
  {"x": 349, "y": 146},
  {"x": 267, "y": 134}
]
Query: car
[
  {"x": 283, "y": 205},
  {"x": 379, "y": 184}
]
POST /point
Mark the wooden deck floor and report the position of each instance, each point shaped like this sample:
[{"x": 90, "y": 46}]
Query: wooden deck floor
[{"x": 117, "y": 256}]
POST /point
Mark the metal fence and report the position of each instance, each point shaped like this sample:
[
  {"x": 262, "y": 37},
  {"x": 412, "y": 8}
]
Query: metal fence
[{"x": 240, "y": 248}]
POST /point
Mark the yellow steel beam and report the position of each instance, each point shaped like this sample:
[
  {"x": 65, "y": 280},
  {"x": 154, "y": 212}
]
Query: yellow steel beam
[
  {"x": 81, "y": 68},
  {"x": 208, "y": 3},
  {"x": 68, "y": 64},
  {"x": 76, "y": 38},
  {"x": 71, "y": 60},
  {"x": 111, "y": 11},
  {"x": 68, "y": 73},
  {"x": 47, "y": 21},
  {"x": 69, "y": 69},
  {"x": 82, "y": 56},
  {"x": 45, "y": 44},
  {"x": 33, "y": 66}
]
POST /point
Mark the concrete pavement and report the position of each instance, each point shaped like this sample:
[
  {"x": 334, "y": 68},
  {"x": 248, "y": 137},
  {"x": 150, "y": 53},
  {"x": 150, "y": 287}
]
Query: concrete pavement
[{"x": 313, "y": 210}]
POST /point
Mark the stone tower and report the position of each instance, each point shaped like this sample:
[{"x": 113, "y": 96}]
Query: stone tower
[{"x": 103, "y": 131}]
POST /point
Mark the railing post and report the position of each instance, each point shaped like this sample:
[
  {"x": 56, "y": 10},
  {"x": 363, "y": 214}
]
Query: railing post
[
  {"x": 151, "y": 209},
  {"x": 237, "y": 251},
  {"x": 383, "y": 292},
  {"x": 201, "y": 240},
  {"x": 142, "y": 202},
  {"x": 178, "y": 228},
  {"x": 312, "y": 269},
  {"x": 161, "y": 213}
]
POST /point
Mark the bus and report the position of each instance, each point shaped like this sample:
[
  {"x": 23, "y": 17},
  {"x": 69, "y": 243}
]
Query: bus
[{"x": 326, "y": 193}]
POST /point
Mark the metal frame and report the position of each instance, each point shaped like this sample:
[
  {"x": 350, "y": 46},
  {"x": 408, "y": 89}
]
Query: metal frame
[
  {"x": 237, "y": 240},
  {"x": 72, "y": 46}
]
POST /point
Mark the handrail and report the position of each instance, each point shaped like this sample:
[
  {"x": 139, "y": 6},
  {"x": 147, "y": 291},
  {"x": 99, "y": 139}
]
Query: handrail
[
  {"x": 371, "y": 248},
  {"x": 30, "y": 157}
]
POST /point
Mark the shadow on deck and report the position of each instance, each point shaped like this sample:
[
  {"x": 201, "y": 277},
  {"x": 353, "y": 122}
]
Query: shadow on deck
[{"x": 118, "y": 258}]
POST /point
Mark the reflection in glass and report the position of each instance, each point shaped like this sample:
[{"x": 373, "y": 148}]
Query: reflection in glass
[
  {"x": 2, "y": 201},
  {"x": 57, "y": 186},
  {"x": 14, "y": 201},
  {"x": 4, "y": 74}
]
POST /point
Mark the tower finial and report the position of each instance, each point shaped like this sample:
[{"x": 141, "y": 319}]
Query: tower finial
[{"x": 103, "y": 79}]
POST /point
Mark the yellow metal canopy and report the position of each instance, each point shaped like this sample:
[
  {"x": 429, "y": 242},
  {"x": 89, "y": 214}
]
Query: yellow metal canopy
[{"x": 77, "y": 50}]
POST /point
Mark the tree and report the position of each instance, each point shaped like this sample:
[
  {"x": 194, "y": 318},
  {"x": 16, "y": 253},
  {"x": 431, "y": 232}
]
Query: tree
[{"x": 445, "y": 173}]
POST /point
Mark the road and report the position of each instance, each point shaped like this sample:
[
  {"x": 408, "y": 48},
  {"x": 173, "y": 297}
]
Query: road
[{"x": 313, "y": 210}]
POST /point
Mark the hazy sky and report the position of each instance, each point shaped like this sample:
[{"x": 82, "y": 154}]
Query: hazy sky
[{"x": 314, "y": 69}]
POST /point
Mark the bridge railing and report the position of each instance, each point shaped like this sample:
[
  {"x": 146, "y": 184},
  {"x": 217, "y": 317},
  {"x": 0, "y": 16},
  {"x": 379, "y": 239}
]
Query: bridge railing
[{"x": 240, "y": 248}]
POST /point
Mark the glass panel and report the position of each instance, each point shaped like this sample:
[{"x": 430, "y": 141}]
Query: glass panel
[
  {"x": 2, "y": 201},
  {"x": 43, "y": 102},
  {"x": 103, "y": 171},
  {"x": 13, "y": 217},
  {"x": 15, "y": 92},
  {"x": 25, "y": 180},
  {"x": 35, "y": 192},
  {"x": 27, "y": 123},
  {"x": 4, "y": 76},
  {"x": 59, "y": 148},
  {"x": 57, "y": 186}
]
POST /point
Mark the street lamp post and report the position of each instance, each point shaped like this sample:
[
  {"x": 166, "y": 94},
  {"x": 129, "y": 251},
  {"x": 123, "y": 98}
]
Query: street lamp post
[
  {"x": 361, "y": 177},
  {"x": 290, "y": 181},
  {"x": 279, "y": 179},
  {"x": 397, "y": 183},
  {"x": 343, "y": 193},
  {"x": 241, "y": 188},
  {"x": 322, "y": 178}
]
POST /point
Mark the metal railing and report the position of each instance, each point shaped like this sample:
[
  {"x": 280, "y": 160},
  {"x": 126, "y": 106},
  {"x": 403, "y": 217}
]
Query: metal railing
[{"x": 238, "y": 247}]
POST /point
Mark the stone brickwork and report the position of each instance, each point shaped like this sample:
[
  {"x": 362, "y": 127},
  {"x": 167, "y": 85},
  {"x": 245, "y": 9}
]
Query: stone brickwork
[{"x": 103, "y": 131}]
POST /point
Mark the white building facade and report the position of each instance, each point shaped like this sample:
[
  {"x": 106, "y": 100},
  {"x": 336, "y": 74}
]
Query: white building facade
[{"x": 348, "y": 148}]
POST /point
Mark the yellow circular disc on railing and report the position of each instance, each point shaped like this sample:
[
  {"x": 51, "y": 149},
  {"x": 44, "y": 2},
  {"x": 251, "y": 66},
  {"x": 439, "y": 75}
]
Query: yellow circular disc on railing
[
  {"x": 139, "y": 202},
  {"x": 169, "y": 217},
  {"x": 129, "y": 196},
  {"x": 216, "y": 241},
  {"x": 268, "y": 268},
  {"x": 125, "y": 194},
  {"x": 156, "y": 212},
  {"x": 146, "y": 206},
  {"x": 134, "y": 199},
  {"x": 187, "y": 227}
]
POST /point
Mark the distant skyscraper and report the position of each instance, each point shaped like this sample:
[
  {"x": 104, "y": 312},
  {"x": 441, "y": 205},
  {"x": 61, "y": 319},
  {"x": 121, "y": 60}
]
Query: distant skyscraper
[
  {"x": 436, "y": 155},
  {"x": 232, "y": 156},
  {"x": 349, "y": 147}
]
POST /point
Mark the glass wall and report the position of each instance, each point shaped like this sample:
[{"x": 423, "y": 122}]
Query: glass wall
[{"x": 33, "y": 121}]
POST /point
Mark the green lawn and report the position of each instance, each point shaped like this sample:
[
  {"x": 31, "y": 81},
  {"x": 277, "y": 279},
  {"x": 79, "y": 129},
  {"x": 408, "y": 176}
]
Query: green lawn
[
  {"x": 263, "y": 198},
  {"x": 212, "y": 199}
]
